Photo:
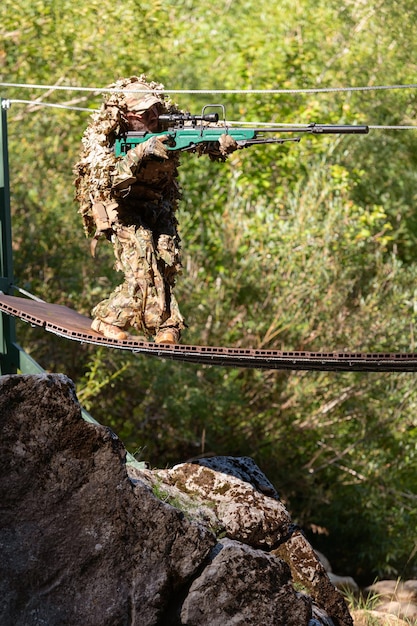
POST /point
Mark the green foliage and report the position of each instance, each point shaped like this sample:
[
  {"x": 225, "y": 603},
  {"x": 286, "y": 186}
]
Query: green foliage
[{"x": 305, "y": 247}]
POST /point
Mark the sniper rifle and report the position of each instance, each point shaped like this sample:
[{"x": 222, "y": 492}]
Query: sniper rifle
[{"x": 185, "y": 132}]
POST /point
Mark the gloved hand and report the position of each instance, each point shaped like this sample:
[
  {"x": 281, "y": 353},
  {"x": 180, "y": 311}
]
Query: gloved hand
[
  {"x": 218, "y": 150},
  {"x": 155, "y": 147},
  {"x": 124, "y": 174},
  {"x": 227, "y": 144}
]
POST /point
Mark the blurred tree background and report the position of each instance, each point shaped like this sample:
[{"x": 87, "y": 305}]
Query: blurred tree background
[{"x": 308, "y": 246}]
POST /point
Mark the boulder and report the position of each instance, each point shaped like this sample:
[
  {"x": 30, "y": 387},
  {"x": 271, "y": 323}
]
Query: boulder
[{"x": 80, "y": 543}]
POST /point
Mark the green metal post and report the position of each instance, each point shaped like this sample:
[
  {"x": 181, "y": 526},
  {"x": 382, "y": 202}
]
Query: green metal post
[
  {"x": 9, "y": 356},
  {"x": 12, "y": 357}
]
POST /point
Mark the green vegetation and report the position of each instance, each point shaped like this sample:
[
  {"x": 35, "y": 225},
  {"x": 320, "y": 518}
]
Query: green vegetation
[{"x": 303, "y": 247}]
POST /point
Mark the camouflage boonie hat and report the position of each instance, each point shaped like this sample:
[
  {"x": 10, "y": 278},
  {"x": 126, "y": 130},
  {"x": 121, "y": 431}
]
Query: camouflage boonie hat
[{"x": 140, "y": 102}]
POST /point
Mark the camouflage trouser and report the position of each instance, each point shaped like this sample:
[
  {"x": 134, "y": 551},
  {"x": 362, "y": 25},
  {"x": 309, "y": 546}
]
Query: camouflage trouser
[{"x": 145, "y": 300}]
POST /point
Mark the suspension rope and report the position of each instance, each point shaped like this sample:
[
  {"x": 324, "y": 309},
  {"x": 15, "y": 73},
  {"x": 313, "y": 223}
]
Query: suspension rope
[
  {"x": 98, "y": 90},
  {"x": 382, "y": 127},
  {"x": 27, "y": 293},
  {"x": 36, "y": 103},
  {"x": 39, "y": 103}
]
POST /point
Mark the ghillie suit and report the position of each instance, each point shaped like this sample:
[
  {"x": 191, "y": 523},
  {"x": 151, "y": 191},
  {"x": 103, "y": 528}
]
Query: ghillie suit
[{"x": 132, "y": 201}]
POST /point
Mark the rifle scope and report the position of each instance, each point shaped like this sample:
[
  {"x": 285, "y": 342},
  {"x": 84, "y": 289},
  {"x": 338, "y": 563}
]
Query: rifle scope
[{"x": 186, "y": 117}]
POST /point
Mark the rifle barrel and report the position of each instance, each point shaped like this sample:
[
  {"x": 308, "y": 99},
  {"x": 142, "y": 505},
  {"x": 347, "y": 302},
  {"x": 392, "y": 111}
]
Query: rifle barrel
[{"x": 319, "y": 129}]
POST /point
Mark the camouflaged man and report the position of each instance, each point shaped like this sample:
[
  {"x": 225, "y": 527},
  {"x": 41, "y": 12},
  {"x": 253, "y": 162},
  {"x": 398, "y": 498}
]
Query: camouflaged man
[{"x": 132, "y": 200}]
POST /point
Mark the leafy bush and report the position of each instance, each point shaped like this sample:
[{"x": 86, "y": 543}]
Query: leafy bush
[{"x": 302, "y": 247}]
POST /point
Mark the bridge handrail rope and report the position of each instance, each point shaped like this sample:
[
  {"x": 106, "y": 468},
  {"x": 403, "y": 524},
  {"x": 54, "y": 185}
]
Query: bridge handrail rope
[
  {"x": 100, "y": 90},
  {"x": 312, "y": 90}
]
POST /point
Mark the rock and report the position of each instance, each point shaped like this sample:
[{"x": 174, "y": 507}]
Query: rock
[
  {"x": 363, "y": 617},
  {"x": 80, "y": 543},
  {"x": 404, "y": 610},
  {"x": 86, "y": 539},
  {"x": 213, "y": 600},
  {"x": 324, "y": 561},
  {"x": 395, "y": 597},
  {"x": 244, "y": 468},
  {"x": 344, "y": 583},
  {"x": 404, "y": 591},
  {"x": 245, "y": 512},
  {"x": 307, "y": 570}
]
